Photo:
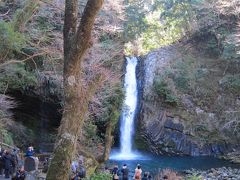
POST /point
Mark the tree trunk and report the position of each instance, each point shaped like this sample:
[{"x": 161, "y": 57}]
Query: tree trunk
[
  {"x": 108, "y": 143},
  {"x": 77, "y": 96}
]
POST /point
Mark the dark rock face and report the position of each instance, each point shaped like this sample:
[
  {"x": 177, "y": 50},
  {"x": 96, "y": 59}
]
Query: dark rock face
[
  {"x": 41, "y": 118},
  {"x": 168, "y": 137},
  {"x": 49, "y": 88},
  {"x": 38, "y": 112},
  {"x": 161, "y": 130}
]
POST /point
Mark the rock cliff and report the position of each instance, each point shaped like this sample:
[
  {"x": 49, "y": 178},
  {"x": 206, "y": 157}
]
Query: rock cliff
[{"x": 195, "y": 123}]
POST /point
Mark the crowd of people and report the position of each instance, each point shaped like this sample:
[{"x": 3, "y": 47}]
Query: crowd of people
[
  {"x": 10, "y": 165},
  {"x": 79, "y": 172},
  {"x": 123, "y": 173}
]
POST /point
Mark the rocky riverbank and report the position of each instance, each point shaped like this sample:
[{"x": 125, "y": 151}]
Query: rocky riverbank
[
  {"x": 233, "y": 157},
  {"x": 214, "y": 173}
]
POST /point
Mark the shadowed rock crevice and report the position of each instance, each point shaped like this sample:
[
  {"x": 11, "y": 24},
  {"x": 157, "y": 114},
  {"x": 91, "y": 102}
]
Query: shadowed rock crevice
[{"x": 41, "y": 119}]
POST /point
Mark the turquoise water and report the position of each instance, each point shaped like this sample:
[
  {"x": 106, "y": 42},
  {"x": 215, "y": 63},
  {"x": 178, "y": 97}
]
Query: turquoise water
[{"x": 154, "y": 163}]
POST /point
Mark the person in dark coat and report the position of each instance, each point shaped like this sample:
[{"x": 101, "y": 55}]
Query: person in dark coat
[
  {"x": 1, "y": 161},
  {"x": 21, "y": 174},
  {"x": 115, "y": 173},
  {"x": 149, "y": 176},
  {"x": 124, "y": 172},
  {"x": 145, "y": 176},
  {"x": 8, "y": 162},
  {"x": 15, "y": 158}
]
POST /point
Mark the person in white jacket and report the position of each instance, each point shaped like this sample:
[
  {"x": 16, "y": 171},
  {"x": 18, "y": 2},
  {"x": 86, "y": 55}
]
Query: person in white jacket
[{"x": 138, "y": 173}]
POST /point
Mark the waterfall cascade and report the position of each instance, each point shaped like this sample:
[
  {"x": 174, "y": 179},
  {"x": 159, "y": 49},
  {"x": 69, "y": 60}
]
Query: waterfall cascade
[
  {"x": 130, "y": 103},
  {"x": 128, "y": 113}
]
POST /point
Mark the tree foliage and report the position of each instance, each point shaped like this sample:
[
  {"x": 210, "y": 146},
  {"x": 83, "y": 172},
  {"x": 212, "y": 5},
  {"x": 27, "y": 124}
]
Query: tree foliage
[
  {"x": 101, "y": 176},
  {"x": 154, "y": 24},
  {"x": 11, "y": 41},
  {"x": 16, "y": 77},
  {"x": 6, "y": 104},
  {"x": 157, "y": 23},
  {"x": 165, "y": 91}
]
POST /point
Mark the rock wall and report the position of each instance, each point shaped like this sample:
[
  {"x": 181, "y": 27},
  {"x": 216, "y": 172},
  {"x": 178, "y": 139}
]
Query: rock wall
[{"x": 159, "y": 128}]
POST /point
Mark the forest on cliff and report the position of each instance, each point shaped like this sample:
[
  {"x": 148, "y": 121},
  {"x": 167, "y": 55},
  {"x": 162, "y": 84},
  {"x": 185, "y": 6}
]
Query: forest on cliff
[{"x": 189, "y": 56}]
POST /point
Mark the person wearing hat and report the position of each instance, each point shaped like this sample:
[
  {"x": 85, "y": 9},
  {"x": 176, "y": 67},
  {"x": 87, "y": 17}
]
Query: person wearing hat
[
  {"x": 138, "y": 172},
  {"x": 125, "y": 172}
]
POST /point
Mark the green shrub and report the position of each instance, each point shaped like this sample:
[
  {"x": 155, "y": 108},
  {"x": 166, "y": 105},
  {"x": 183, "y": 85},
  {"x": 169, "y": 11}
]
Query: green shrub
[
  {"x": 162, "y": 89},
  {"x": 181, "y": 81},
  {"x": 101, "y": 176},
  {"x": 194, "y": 177},
  {"x": 91, "y": 130},
  {"x": 14, "y": 76},
  {"x": 230, "y": 51},
  {"x": 7, "y": 136},
  {"x": 109, "y": 109},
  {"x": 231, "y": 83},
  {"x": 10, "y": 40},
  {"x": 111, "y": 105},
  {"x": 211, "y": 46},
  {"x": 183, "y": 73},
  {"x": 43, "y": 23}
]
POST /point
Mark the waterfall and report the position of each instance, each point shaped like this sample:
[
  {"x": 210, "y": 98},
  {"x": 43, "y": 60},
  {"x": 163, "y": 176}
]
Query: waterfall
[
  {"x": 130, "y": 103},
  {"x": 128, "y": 113}
]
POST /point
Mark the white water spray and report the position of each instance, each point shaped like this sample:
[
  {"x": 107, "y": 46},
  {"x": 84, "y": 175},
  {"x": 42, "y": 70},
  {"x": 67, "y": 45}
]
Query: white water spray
[{"x": 128, "y": 113}]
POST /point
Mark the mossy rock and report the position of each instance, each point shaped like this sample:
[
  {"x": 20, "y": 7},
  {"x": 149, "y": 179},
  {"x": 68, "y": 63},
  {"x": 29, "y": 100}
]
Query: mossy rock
[{"x": 140, "y": 143}]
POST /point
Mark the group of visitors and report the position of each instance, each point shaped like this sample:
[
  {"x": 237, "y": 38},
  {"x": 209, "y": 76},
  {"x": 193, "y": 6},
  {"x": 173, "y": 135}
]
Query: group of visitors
[
  {"x": 79, "y": 172},
  {"x": 9, "y": 164},
  {"x": 123, "y": 174}
]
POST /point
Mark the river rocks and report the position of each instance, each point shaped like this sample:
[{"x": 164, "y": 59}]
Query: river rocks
[
  {"x": 214, "y": 174},
  {"x": 233, "y": 157}
]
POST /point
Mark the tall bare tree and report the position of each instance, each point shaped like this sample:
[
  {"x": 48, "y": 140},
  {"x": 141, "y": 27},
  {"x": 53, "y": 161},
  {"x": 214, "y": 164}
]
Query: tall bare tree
[{"x": 77, "y": 95}]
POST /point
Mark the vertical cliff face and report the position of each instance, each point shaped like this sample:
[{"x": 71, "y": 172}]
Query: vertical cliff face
[{"x": 185, "y": 125}]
